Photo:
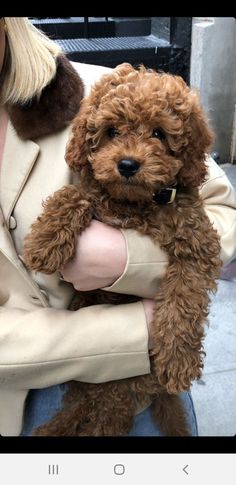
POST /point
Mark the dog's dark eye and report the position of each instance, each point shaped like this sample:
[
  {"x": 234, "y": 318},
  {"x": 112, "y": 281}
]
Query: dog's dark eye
[
  {"x": 158, "y": 134},
  {"x": 112, "y": 132}
]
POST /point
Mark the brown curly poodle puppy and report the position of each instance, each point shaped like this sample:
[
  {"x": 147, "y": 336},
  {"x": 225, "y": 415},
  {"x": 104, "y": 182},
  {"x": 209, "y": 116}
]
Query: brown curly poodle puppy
[{"x": 139, "y": 144}]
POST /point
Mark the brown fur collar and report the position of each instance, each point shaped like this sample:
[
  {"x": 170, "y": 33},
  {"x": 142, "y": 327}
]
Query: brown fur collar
[{"x": 55, "y": 109}]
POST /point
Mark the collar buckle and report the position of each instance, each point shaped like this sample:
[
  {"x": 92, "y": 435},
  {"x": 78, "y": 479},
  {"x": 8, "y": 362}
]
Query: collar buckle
[{"x": 165, "y": 196}]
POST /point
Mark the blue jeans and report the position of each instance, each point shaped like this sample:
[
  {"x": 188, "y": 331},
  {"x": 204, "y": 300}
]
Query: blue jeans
[{"x": 42, "y": 404}]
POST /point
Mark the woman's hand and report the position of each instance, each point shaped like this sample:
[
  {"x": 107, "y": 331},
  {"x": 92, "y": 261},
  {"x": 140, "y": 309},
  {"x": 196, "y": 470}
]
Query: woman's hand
[{"x": 100, "y": 258}]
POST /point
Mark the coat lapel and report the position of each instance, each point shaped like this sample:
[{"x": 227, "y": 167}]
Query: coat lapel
[
  {"x": 18, "y": 160},
  {"x": 57, "y": 106}
]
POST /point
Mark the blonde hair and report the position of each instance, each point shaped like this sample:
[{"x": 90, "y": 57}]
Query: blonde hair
[{"x": 29, "y": 63}]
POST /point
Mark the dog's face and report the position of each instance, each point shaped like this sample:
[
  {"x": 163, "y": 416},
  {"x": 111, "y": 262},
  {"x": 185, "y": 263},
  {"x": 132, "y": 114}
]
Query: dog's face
[{"x": 141, "y": 131}]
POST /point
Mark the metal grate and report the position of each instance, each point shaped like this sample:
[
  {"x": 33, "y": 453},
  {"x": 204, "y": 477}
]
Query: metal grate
[
  {"x": 111, "y": 43},
  {"x": 158, "y": 42},
  {"x": 49, "y": 20}
]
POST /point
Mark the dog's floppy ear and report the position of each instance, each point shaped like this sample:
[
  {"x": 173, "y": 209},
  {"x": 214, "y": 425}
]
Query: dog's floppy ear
[
  {"x": 198, "y": 139},
  {"x": 83, "y": 128},
  {"x": 77, "y": 149}
]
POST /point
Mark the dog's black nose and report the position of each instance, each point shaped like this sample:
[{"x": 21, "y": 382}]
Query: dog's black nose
[{"x": 127, "y": 168}]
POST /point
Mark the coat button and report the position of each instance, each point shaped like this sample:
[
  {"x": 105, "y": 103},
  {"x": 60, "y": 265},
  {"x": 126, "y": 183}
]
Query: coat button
[{"x": 12, "y": 223}]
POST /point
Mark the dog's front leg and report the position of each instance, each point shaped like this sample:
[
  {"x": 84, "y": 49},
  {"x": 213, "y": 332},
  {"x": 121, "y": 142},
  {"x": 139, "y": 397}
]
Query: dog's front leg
[
  {"x": 182, "y": 301},
  {"x": 51, "y": 241},
  {"x": 181, "y": 311}
]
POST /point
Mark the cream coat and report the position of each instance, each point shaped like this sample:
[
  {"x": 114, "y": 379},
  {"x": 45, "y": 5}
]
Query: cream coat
[{"x": 41, "y": 342}]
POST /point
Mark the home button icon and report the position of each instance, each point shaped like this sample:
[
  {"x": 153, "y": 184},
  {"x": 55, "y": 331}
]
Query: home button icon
[{"x": 119, "y": 469}]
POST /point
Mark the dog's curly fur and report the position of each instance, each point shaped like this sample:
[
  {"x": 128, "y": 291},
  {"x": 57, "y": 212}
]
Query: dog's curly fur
[{"x": 156, "y": 120}]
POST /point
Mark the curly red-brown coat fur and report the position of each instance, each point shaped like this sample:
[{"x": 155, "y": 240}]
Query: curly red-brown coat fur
[{"x": 155, "y": 120}]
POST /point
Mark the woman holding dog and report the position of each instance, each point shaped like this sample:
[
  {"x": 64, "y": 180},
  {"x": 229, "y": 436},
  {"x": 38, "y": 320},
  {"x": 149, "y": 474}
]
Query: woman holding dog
[{"x": 43, "y": 345}]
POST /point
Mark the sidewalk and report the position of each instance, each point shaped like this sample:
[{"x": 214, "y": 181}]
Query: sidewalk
[{"x": 215, "y": 394}]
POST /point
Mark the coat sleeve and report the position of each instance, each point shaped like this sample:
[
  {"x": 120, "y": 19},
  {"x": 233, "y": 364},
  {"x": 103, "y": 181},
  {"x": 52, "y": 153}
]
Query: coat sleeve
[
  {"x": 146, "y": 263},
  {"x": 49, "y": 346}
]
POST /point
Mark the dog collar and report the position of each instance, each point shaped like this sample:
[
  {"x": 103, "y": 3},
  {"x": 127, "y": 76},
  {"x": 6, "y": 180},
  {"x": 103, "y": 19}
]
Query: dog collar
[{"x": 165, "y": 196}]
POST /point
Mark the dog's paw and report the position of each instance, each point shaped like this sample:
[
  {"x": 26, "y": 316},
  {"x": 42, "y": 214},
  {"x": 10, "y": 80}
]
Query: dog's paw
[
  {"x": 178, "y": 373},
  {"x": 47, "y": 251},
  {"x": 42, "y": 261}
]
